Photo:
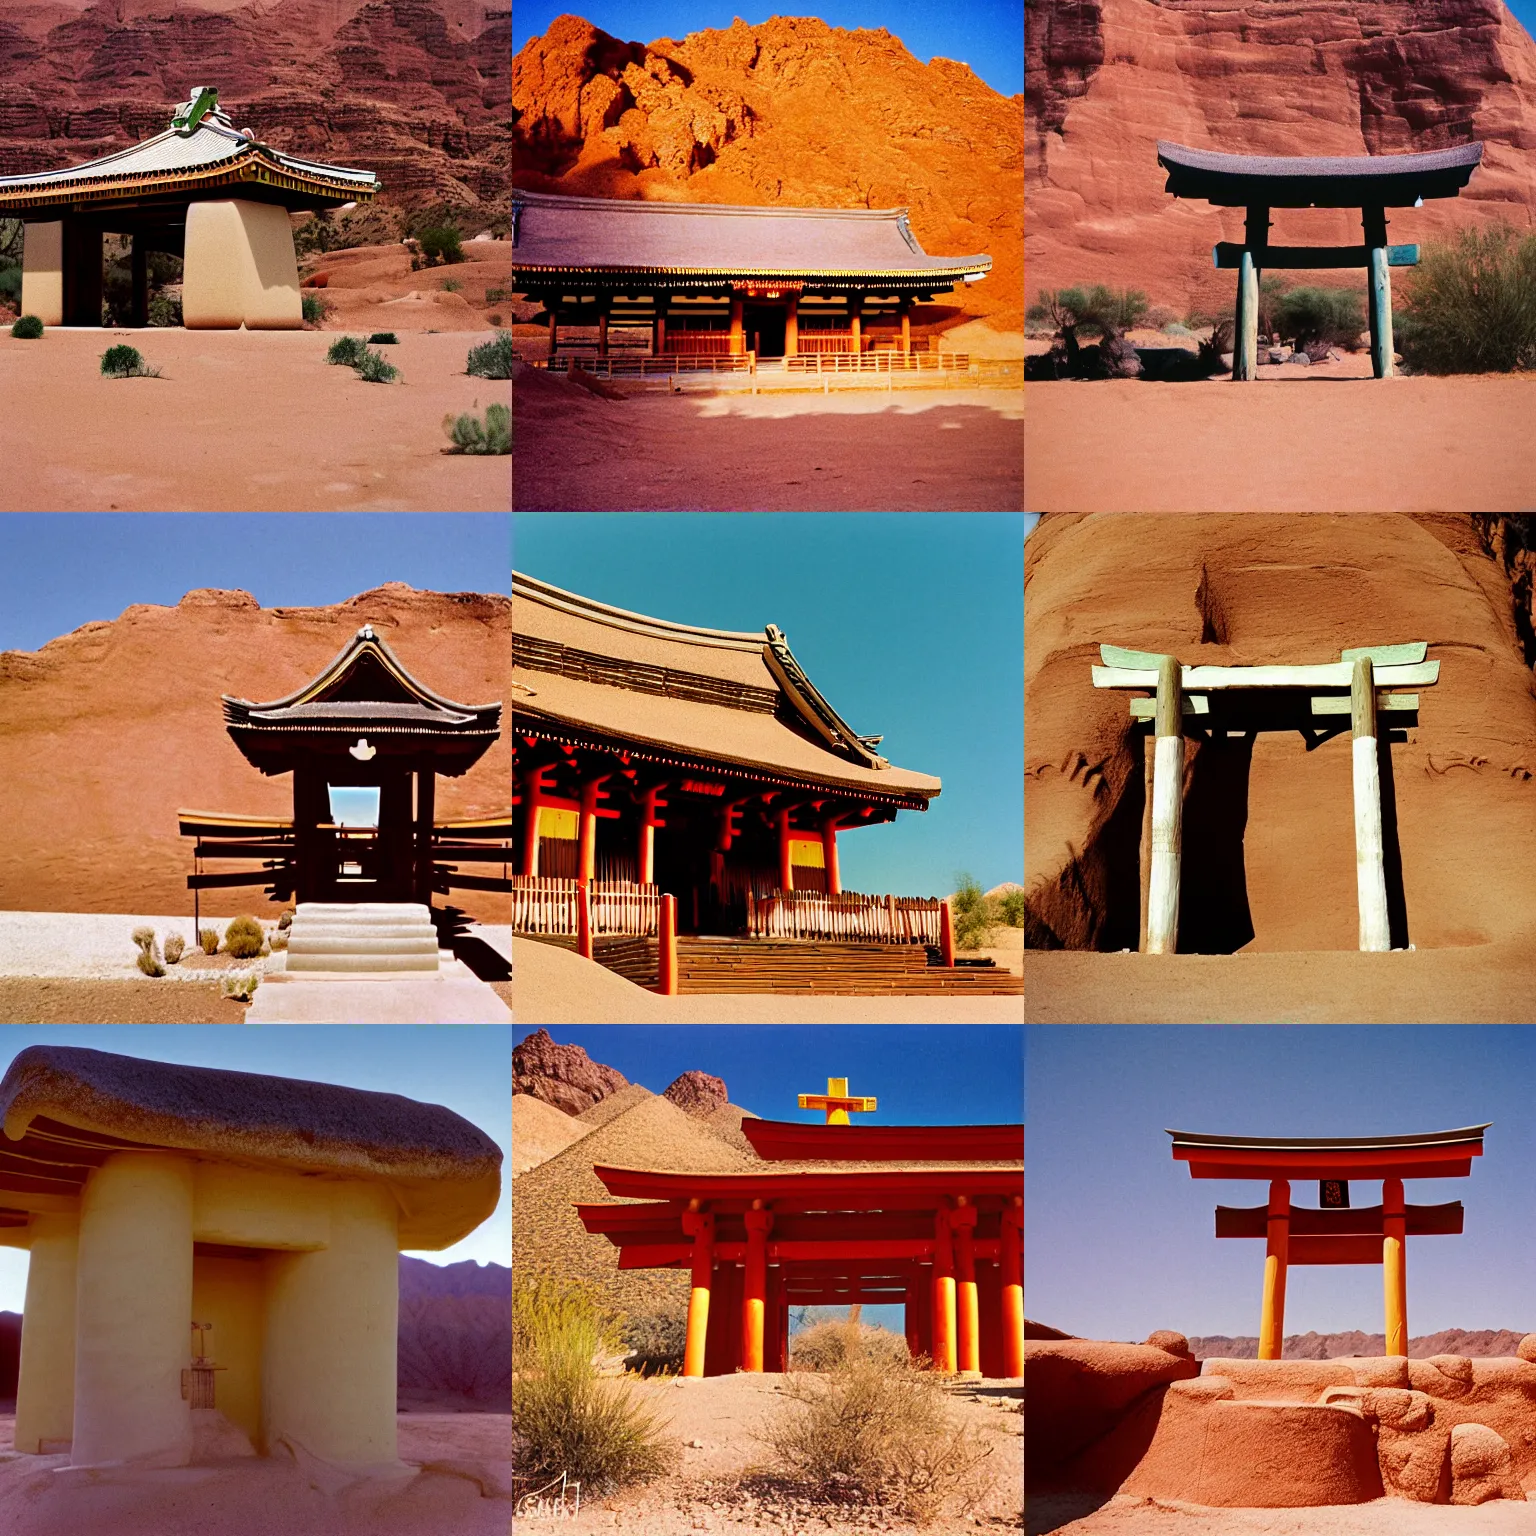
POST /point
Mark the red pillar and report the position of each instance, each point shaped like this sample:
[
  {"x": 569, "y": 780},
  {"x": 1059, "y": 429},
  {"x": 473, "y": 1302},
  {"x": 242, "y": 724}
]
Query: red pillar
[
  {"x": 829, "y": 856},
  {"x": 584, "y": 920},
  {"x": 947, "y": 937},
  {"x": 905, "y": 309},
  {"x": 533, "y": 794},
  {"x": 944, "y": 1352},
  {"x": 911, "y": 1317},
  {"x": 967, "y": 1314},
  {"x": 738, "y": 344},
  {"x": 855, "y": 319},
  {"x": 586, "y": 866},
  {"x": 1011, "y": 1259},
  {"x": 700, "y": 1225},
  {"x": 786, "y": 866},
  {"x": 649, "y": 821},
  {"x": 667, "y": 949},
  {"x": 792, "y": 325}
]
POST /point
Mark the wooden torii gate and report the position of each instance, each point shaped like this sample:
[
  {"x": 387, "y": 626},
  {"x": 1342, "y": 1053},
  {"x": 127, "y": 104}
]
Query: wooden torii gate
[
  {"x": 1182, "y": 691},
  {"x": 1371, "y": 183}
]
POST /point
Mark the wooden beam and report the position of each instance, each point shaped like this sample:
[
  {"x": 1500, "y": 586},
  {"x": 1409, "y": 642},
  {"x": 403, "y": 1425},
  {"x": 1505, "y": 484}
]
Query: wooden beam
[
  {"x": 1381, "y": 655},
  {"x": 1390, "y": 703},
  {"x": 1375, "y": 222},
  {"x": 1328, "y": 674},
  {"x": 1445, "y": 1220},
  {"x": 1228, "y": 254},
  {"x": 1370, "y": 866},
  {"x": 1167, "y": 813}
]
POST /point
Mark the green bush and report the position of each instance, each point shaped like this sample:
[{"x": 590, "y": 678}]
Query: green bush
[
  {"x": 241, "y": 985},
  {"x": 383, "y": 339},
  {"x": 375, "y": 368},
  {"x": 497, "y": 295},
  {"x": 347, "y": 351},
  {"x": 1328, "y": 316},
  {"x": 441, "y": 243},
  {"x": 149, "y": 963},
  {"x": 164, "y": 310},
  {"x": 1011, "y": 908},
  {"x": 1091, "y": 309},
  {"x": 1472, "y": 305},
  {"x": 972, "y": 913},
  {"x": 123, "y": 362},
  {"x": 452, "y": 285},
  {"x": 491, "y": 359},
  {"x": 28, "y": 328},
  {"x": 208, "y": 938},
  {"x": 10, "y": 283},
  {"x": 174, "y": 945},
  {"x": 471, "y": 435},
  {"x": 243, "y": 938},
  {"x": 315, "y": 308}
]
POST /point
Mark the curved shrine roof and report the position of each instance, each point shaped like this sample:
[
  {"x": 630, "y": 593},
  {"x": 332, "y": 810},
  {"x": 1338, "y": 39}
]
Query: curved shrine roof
[
  {"x": 596, "y": 235},
  {"x": 1324, "y": 181},
  {"x": 1430, "y": 1154},
  {"x": 65, "y": 1107}
]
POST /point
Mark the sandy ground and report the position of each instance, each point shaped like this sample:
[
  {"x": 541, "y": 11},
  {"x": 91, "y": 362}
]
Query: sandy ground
[
  {"x": 52, "y": 1001},
  {"x": 926, "y": 450},
  {"x": 554, "y": 986},
  {"x": 1319, "y": 444},
  {"x": 241, "y": 421},
  {"x": 715, "y": 1419},
  {"x": 1480, "y": 984},
  {"x": 1006, "y": 949},
  {"x": 1126, "y": 1515}
]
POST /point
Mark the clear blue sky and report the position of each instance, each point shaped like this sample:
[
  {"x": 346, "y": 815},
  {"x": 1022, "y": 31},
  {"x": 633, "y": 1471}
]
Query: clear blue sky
[
  {"x": 910, "y": 623},
  {"x": 1121, "y": 1239},
  {"x": 986, "y": 34},
  {"x": 59, "y": 570},
  {"x": 467, "y": 1069},
  {"x": 1030, "y": 519}
]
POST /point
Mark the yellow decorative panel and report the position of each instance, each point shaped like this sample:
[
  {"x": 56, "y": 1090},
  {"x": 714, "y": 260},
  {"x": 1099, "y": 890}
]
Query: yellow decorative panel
[
  {"x": 806, "y": 852},
  {"x": 553, "y": 823}
]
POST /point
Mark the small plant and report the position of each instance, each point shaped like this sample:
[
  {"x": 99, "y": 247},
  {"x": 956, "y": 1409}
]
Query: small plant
[
  {"x": 1010, "y": 908},
  {"x": 972, "y": 913},
  {"x": 279, "y": 940},
  {"x": 144, "y": 937},
  {"x": 471, "y": 435},
  {"x": 28, "y": 328},
  {"x": 164, "y": 310},
  {"x": 315, "y": 308},
  {"x": 285, "y": 921},
  {"x": 174, "y": 945},
  {"x": 497, "y": 295},
  {"x": 243, "y": 938},
  {"x": 208, "y": 938},
  {"x": 494, "y": 319},
  {"x": 826, "y": 1346},
  {"x": 1092, "y": 309},
  {"x": 383, "y": 339},
  {"x": 656, "y": 1342},
  {"x": 241, "y": 985},
  {"x": 1472, "y": 306},
  {"x": 491, "y": 359},
  {"x": 149, "y": 963},
  {"x": 126, "y": 363},
  {"x": 375, "y": 368},
  {"x": 1327, "y": 316},
  {"x": 441, "y": 244},
  {"x": 453, "y": 285},
  {"x": 347, "y": 351}
]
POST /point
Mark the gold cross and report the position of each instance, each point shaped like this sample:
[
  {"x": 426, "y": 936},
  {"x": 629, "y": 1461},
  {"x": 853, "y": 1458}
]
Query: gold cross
[{"x": 836, "y": 1101}]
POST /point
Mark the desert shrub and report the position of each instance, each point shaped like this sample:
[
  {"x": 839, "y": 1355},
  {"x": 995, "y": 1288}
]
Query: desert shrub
[
  {"x": 144, "y": 937},
  {"x": 565, "y": 1417},
  {"x": 375, "y": 368},
  {"x": 441, "y": 243},
  {"x": 656, "y": 1341},
  {"x": 878, "y": 1431},
  {"x": 347, "y": 351},
  {"x": 208, "y": 938},
  {"x": 278, "y": 940},
  {"x": 1472, "y": 306},
  {"x": 495, "y": 319},
  {"x": 383, "y": 339},
  {"x": 241, "y": 985},
  {"x": 285, "y": 920},
  {"x": 126, "y": 363},
  {"x": 174, "y": 945},
  {"x": 10, "y": 283},
  {"x": 491, "y": 359},
  {"x": 972, "y": 913},
  {"x": 453, "y": 285},
  {"x": 1159, "y": 317},
  {"x": 1010, "y": 908},
  {"x": 471, "y": 435},
  {"x": 28, "y": 328},
  {"x": 1330, "y": 316},
  {"x": 825, "y": 1346},
  {"x": 497, "y": 295},
  {"x": 315, "y": 308},
  {"x": 243, "y": 938},
  {"x": 1096, "y": 309},
  {"x": 1177, "y": 328},
  {"x": 164, "y": 310},
  {"x": 149, "y": 962}
]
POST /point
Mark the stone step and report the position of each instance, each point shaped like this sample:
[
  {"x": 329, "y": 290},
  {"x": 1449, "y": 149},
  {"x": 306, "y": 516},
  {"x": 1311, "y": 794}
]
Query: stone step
[
  {"x": 362, "y": 912},
  {"x": 363, "y": 962},
  {"x": 363, "y": 936},
  {"x": 372, "y": 932},
  {"x": 362, "y": 944}
]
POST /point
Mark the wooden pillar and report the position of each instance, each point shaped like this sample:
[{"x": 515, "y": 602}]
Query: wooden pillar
[
  {"x": 648, "y": 824},
  {"x": 82, "y": 273},
  {"x": 792, "y": 325},
  {"x": 754, "y": 1290},
  {"x": 1276, "y": 1257},
  {"x": 533, "y": 794},
  {"x": 666, "y": 949},
  {"x": 738, "y": 343},
  {"x": 426, "y": 805},
  {"x": 602, "y": 327},
  {"x": 904, "y": 309},
  {"x": 947, "y": 936},
  {"x": 855, "y": 320},
  {"x": 1245, "y": 337},
  {"x": 659, "y": 324},
  {"x": 700, "y": 1225},
  {"x": 967, "y": 1314},
  {"x": 1011, "y": 1261},
  {"x": 911, "y": 1316},
  {"x": 829, "y": 856},
  {"x": 140, "y": 265},
  {"x": 1380, "y": 295},
  {"x": 584, "y": 920},
  {"x": 943, "y": 1294},
  {"x": 554, "y": 328},
  {"x": 786, "y": 867},
  {"x": 1394, "y": 1265},
  {"x": 1167, "y": 811},
  {"x": 1370, "y": 866},
  {"x": 586, "y": 863}
]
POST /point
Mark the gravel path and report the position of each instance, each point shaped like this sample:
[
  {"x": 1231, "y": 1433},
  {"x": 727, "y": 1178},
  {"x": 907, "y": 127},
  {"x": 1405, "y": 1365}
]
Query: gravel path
[
  {"x": 59, "y": 1000},
  {"x": 98, "y": 946}
]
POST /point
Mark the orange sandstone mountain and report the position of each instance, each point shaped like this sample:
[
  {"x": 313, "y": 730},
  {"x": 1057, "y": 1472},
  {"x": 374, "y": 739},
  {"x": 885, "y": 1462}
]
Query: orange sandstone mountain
[
  {"x": 790, "y": 112},
  {"x": 1105, "y": 79},
  {"x": 108, "y": 731}
]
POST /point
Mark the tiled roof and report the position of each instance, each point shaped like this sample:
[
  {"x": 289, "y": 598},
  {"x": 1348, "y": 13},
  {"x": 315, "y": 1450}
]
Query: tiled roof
[{"x": 585, "y": 233}]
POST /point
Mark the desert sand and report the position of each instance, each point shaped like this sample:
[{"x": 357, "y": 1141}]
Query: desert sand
[
  {"x": 1130, "y": 1515},
  {"x": 554, "y": 986},
  {"x": 244, "y": 421},
  {"x": 922, "y": 450},
  {"x": 1338, "y": 445}
]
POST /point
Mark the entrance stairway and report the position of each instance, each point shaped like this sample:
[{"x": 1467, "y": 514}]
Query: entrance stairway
[{"x": 362, "y": 936}]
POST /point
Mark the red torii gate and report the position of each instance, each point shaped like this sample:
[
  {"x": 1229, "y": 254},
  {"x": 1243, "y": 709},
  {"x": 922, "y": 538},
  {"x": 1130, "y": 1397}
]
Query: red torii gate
[{"x": 1334, "y": 1233}]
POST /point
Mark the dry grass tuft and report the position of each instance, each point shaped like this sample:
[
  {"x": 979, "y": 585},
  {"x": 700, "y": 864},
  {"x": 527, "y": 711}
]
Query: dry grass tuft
[{"x": 825, "y": 1346}]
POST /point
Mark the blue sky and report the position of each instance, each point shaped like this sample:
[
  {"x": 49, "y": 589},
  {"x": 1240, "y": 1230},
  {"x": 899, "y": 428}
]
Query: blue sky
[
  {"x": 467, "y": 1069},
  {"x": 1030, "y": 519},
  {"x": 986, "y": 34},
  {"x": 908, "y": 622},
  {"x": 59, "y": 570},
  {"x": 1121, "y": 1240}
]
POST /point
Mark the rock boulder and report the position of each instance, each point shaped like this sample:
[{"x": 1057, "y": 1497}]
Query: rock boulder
[{"x": 561, "y": 1075}]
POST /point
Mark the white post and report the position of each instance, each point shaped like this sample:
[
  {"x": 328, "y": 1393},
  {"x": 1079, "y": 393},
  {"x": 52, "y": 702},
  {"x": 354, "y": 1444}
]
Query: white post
[
  {"x": 1167, "y": 812},
  {"x": 1370, "y": 870}
]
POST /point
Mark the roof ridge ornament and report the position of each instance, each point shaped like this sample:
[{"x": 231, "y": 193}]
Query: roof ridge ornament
[
  {"x": 203, "y": 102},
  {"x": 812, "y": 707}
]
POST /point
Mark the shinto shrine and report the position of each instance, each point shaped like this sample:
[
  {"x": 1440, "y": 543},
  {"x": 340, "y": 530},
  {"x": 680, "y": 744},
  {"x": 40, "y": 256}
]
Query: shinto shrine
[
  {"x": 362, "y": 723},
  {"x": 839, "y": 1214},
  {"x": 1319, "y": 700},
  {"x": 203, "y": 190},
  {"x": 1336, "y": 1232},
  {"x": 1371, "y": 183},
  {"x": 715, "y": 280}
]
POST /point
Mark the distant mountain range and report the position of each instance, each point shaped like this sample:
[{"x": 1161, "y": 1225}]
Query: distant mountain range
[{"x": 1477, "y": 1342}]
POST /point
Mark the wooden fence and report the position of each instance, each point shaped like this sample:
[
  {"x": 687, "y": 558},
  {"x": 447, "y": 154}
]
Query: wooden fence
[
  {"x": 545, "y": 904},
  {"x": 849, "y": 917}
]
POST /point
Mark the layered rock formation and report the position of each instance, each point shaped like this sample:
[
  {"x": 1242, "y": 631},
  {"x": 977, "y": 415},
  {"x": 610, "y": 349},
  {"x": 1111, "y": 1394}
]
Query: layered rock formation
[
  {"x": 1105, "y": 79},
  {"x": 698, "y": 1094},
  {"x": 1475, "y": 1343},
  {"x": 455, "y": 1336},
  {"x": 790, "y": 112},
  {"x": 417, "y": 91},
  {"x": 561, "y": 1075},
  {"x": 108, "y": 732}
]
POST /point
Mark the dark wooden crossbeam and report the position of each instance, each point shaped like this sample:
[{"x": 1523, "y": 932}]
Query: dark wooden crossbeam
[{"x": 1229, "y": 254}]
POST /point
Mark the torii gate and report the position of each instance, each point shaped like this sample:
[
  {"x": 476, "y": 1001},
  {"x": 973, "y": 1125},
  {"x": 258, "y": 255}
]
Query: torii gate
[
  {"x": 1334, "y": 1234},
  {"x": 1182, "y": 691}
]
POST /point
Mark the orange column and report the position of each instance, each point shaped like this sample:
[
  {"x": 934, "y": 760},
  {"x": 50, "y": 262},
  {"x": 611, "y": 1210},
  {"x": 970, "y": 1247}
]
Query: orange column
[
  {"x": 701, "y": 1227},
  {"x": 786, "y": 867},
  {"x": 554, "y": 329},
  {"x": 1276, "y": 1257},
  {"x": 829, "y": 856},
  {"x": 587, "y": 848},
  {"x": 904, "y": 308},
  {"x": 648, "y": 824},
  {"x": 1011, "y": 1259},
  {"x": 533, "y": 786},
  {"x": 737, "y": 344},
  {"x": 754, "y": 1289},
  {"x": 855, "y": 323},
  {"x": 947, "y": 937},
  {"x": 967, "y": 1314},
  {"x": 792, "y": 325},
  {"x": 944, "y": 1358},
  {"x": 666, "y": 957},
  {"x": 584, "y": 920},
  {"x": 1394, "y": 1265},
  {"x": 659, "y": 324}
]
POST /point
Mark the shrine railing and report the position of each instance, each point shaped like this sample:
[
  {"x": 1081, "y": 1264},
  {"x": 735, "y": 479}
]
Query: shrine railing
[
  {"x": 850, "y": 917},
  {"x": 883, "y": 361},
  {"x": 640, "y": 367},
  {"x": 547, "y": 904}
]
